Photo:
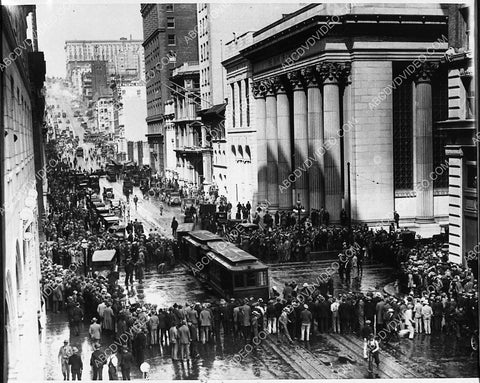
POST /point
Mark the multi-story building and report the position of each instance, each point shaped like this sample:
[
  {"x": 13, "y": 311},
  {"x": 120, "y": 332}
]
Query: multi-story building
[
  {"x": 217, "y": 24},
  {"x": 99, "y": 78},
  {"x": 23, "y": 171},
  {"x": 192, "y": 150},
  {"x": 105, "y": 115},
  {"x": 165, "y": 31},
  {"x": 125, "y": 57},
  {"x": 363, "y": 75},
  {"x": 239, "y": 123},
  {"x": 462, "y": 137},
  {"x": 132, "y": 118}
]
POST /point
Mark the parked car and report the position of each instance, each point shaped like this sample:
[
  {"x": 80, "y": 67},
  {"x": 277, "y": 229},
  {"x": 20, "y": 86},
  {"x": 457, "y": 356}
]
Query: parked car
[
  {"x": 174, "y": 199},
  {"x": 108, "y": 193}
]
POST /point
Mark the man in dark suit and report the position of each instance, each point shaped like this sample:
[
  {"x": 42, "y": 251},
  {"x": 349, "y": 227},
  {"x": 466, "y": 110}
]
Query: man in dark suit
[
  {"x": 76, "y": 365},
  {"x": 97, "y": 363},
  {"x": 77, "y": 317},
  {"x": 126, "y": 362}
]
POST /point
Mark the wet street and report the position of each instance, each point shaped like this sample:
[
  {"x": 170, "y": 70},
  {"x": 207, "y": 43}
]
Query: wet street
[
  {"x": 425, "y": 356},
  {"x": 323, "y": 357}
]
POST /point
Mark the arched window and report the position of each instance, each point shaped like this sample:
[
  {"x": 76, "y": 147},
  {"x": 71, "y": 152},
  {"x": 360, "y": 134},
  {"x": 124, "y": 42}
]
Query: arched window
[
  {"x": 248, "y": 153},
  {"x": 240, "y": 153}
]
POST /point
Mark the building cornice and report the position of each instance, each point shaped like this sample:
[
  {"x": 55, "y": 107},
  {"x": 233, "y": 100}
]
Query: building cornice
[
  {"x": 152, "y": 35},
  {"x": 317, "y": 21}
]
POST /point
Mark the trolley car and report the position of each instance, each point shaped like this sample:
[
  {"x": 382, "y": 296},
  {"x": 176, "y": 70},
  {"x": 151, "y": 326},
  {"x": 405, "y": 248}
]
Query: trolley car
[{"x": 230, "y": 271}]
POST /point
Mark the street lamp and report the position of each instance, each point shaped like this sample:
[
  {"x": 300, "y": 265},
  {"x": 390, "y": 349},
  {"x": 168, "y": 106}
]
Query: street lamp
[{"x": 85, "y": 247}]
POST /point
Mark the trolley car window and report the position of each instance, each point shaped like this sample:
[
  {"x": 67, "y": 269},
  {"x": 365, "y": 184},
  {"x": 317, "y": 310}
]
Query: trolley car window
[
  {"x": 251, "y": 279},
  {"x": 239, "y": 281},
  {"x": 262, "y": 278}
]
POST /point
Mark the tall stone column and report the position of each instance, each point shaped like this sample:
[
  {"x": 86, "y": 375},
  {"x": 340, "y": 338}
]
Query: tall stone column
[
  {"x": 423, "y": 139},
  {"x": 315, "y": 139},
  {"x": 331, "y": 73},
  {"x": 272, "y": 145},
  {"x": 284, "y": 146},
  {"x": 300, "y": 127},
  {"x": 260, "y": 113}
]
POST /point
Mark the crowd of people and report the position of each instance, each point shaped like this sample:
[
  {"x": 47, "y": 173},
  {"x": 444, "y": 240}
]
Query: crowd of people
[{"x": 439, "y": 296}]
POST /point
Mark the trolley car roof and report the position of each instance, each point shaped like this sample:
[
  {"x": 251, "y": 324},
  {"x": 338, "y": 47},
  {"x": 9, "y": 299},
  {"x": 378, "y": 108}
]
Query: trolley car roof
[
  {"x": 225, "y": 262},
  {"x": 231, "y": 252},
  {"x": 205, "y": 236}
]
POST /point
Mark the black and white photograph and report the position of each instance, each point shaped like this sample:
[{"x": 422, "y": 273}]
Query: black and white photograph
[{"x": 249, "y": 191}]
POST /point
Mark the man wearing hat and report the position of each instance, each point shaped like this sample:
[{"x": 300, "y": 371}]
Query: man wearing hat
[
  {"x": 306, "y": 319},
  {"x": 77, "y": 317},
  {"x": 64, "y": 354},
  {"x": 97, "y": 362},
  {"x": 75, "y": 361},
  {"x": 95, "y": 331},
  {"x": 126, "y": 363}
]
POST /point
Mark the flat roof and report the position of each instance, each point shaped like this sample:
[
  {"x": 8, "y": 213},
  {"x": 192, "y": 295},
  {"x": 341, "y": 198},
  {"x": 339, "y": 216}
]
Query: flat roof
[
  {"x": 185, "y": 227},
  {"x": 205, "y": 236},
  {"x": 103, "y": 255},
  {"x": 257, "y": 266},
  {"x": 231, "y": 253}
]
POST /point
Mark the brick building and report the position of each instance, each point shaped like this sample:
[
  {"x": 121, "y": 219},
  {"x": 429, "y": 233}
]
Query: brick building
[{"x": 165, "y": 27}]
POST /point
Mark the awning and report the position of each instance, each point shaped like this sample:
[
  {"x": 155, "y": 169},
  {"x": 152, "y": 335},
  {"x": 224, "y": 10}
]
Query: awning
[
  {"x": 218, "y": 110},
  {"x": 103, "y": 255}
]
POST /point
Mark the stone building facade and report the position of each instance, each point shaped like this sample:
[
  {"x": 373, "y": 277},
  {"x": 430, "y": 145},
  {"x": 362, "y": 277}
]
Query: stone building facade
[
  {"x": 462, "y": 138},
  {"x": 358, "y": 84},
  {"x": 24, "y": 178}
]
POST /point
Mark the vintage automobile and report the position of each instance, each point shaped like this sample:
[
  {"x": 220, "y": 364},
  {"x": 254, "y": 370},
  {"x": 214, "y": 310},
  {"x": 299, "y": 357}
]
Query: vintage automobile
[
  {"x": 174, "y": 199},
  {"x": 108, "y": 193},
  {"x": 127, "y": 186},
  {"x": 94, "y": 183},
  {"x": 104, "y": 263}
]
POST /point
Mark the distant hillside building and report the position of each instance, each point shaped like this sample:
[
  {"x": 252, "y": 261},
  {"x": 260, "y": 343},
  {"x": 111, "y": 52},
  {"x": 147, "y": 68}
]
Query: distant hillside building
[{"x": 125, "y": 58}]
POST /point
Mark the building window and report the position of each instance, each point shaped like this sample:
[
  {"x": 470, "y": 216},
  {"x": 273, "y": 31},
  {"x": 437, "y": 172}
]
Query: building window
[
  {"x": 171, "y": 40},
  {"x": 169, "y": 7},
  {"x": 240, "y": 107},
  {"x": 402, "y": 131},
  {"x": 248, "y": 153},
  {"x": 232, "y": 88},
  {"x": 170, "y": 22},
  {"x": 247, "y": 101},
  {"x": 439, "y": 113}
]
